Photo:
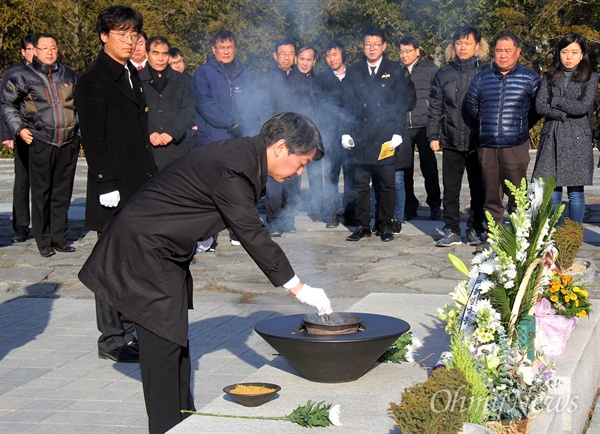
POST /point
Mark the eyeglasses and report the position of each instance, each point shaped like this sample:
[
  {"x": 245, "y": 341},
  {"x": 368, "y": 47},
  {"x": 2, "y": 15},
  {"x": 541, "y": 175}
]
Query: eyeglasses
[
  {"x": 30, "y": 49},
  {"x": 127, "y": 37},
  {"x": 53, "y": 49},
  {"x": 370, "y": 45},
  {"x": 407, "y": 52},
  {"x": 288, "y": 54},
  {"x": 178, "y": 62}
]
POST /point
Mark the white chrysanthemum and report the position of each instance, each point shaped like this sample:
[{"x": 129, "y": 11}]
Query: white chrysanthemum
[
  {"x": 537, "y": 194},
  {"x": 334, "y": 415},
  {"x": 481, "y": 257},
  {"x": 485, "y": 286},
  {"x": 482, "y": 305},
  {"x": 487, "y": 267}
]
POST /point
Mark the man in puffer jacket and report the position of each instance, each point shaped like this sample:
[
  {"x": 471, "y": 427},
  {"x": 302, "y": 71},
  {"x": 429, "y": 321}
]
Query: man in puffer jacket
[
  {"x": 449, "y": 126},
  {"x": 39, "y": 108},
  {"x": 502, "y": 99}
]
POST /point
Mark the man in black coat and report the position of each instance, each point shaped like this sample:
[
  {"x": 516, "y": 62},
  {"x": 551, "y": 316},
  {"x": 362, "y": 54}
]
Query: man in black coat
[
  {"x": 114, "y": 127},
  {"x": 141, "y": 264},
  {"x": 170, "y": 100},
  {"x": 379, "y": 94}
]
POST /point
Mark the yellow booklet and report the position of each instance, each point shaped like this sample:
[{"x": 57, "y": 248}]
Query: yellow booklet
[{"x": 386, "y": 151}]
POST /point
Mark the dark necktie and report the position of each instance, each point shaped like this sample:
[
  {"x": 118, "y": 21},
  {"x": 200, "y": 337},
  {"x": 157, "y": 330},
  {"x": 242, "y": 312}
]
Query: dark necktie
[{"x": 373, "y": 68}]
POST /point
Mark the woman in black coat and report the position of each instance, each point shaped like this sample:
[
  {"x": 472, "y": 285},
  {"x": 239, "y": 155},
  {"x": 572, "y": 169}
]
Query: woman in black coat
[{"x": 566, "y": 98}]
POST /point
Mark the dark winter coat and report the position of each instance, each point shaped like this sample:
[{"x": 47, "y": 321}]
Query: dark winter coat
[
  {"x": 422, "y": 74},
  {"x": 39, "y": 97},
  {"x": 378, "y": 106},
  {"x": 171, "y": 112},
  {"x": 114, "y": 130},
  {"x": 220, "y": 101},
  {"x": 448, "y": 119},
  {"x": 5, "y": 133},
  {"x": 504, "y": 105},
  {"x": 566, "y": 149},
  {"x": 141, "y": 264}
]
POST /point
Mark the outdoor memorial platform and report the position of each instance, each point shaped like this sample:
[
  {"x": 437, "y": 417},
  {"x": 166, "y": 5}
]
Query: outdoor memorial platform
[{"x": 364, "y": 402}]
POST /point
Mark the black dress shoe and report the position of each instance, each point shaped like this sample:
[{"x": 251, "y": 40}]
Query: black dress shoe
[
  {"x": 19, "y": 238},
  {"x": 134, "y": 345},
  {"x": 358, "y": 234},
  {"x": 396, "y": 226},
  {"x": 124, "y": 354},
  {"x": 63, "y": 248},
  {"x": 386, "y": 235},
  {"x": 436, "y": 213},
  {"x": 47, "y": 251}
]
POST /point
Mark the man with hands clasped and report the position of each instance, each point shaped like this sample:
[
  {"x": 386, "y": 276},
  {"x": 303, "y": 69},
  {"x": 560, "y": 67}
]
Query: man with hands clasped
[
  {"x": 140, "y": 266},
  {"x": 378, "y": 94}
]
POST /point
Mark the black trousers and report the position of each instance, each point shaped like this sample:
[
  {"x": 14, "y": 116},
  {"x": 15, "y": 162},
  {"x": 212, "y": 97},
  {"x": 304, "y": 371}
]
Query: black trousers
[
  {"x": 334, "y": 162},
  {"x": 51, "y": 173},
  {"x": 383, "y": 178},
  {"x": 21, "y": 217},
  {"x": 314, "y": 170},
  {"x": 115, "y": 329},
  {"x": 166, "y": 377},
  {"x": 454, "y": 164},
  {"x": 282, "y": 200},
  {"x": 429, "y": 169}
]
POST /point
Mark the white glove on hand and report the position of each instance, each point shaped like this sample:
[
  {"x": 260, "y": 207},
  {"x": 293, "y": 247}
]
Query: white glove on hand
[
  {"x": 396, "y": 141},
  {"x": 347, "y": 141},
  {"x": 204, "y": 245},
  {"x": 110, "y": 200},
  {"x": 315, "y": 297}
]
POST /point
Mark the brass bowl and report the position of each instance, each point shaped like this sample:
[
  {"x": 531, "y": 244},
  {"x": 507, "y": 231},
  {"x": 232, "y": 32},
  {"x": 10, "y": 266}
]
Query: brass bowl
[{"x": 252, "y": 400}]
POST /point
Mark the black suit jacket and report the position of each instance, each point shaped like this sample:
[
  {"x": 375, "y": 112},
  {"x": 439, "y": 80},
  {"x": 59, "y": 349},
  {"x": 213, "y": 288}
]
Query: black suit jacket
[
  {"x": 141, "y": 264},
  {"x": 378, "y": 107},
  {"x": 113, "y": 120}
]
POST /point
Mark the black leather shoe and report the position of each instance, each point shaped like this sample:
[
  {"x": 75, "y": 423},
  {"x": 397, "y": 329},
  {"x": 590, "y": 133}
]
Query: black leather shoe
[
  {"x": 19, "y": 238},
  {"x": 436, "y": 213},
  {"x": 358, "y": 234},
  {"x": 63, "y": 248},
  {"x": 124, "y": 354},
  {"x": 134, "y": 345},
  {"x": 47, "y": 251},
  {"x": 386, "y": 235},
  {"x": 396, "y": 226}
]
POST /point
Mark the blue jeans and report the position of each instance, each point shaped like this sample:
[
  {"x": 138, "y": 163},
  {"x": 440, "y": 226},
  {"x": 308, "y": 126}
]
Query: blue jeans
[
  {"x": 400, "y": 196},
  {"x": 576, "y": 202}
]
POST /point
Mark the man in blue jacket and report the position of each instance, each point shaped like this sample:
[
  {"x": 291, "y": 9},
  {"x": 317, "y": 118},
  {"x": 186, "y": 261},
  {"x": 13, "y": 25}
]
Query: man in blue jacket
[{"x": 502, "y": 99}]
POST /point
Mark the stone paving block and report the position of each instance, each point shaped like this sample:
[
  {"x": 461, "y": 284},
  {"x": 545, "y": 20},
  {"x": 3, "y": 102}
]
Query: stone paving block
[
  {"x": 114, "y": 419},
  {"x": 71, "y": 417},
  {"x": 29, "y": 416},
  {"x": 129, "y": 406},
  {"x": 17, "y": 427},
  {"x": 48, "y": 404},
  {"x": 13, "y": 403}
]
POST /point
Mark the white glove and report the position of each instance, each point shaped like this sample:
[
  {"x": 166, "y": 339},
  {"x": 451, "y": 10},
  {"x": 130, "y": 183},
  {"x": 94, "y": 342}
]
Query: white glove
[
  {"x": 204, "y": 245},
  {"x": 110, "y": 200},
  {"x": 396, "y": 141},
  {"x": 315, "y": 297},
  {"x": 347, "y": 141}
]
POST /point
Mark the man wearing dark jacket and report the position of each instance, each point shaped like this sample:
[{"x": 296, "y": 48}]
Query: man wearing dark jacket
[
  {"x": 450, "y": 127},
  {"x": 114, "y": 129},
  {"x": 170, "y": 104},
  {"x": 502, "y": 99},
  {"x": 378, "y": 94},
  {"x": 141, "y": 264},
  {"x": 21, "y": 217},
  {"x": 280, "y": 89},
  {"x": 39, "y": 108},
  {"x": 421, "y": 73}
]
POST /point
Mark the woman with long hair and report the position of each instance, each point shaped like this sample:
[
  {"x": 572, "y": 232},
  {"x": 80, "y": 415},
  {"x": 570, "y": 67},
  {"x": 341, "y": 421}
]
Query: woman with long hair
[{"x": 566, "y": 98}]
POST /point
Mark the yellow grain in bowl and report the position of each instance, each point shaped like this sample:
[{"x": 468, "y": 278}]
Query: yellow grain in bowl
[{"x": 243, "y": 389}]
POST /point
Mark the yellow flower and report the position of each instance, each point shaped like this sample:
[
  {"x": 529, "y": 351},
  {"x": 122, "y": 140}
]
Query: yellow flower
[
  {"x": 553, "y": 289},
  {"x": 581, "y": 314},
  {"x": 567, "y": 298},
  {"x": 573, "y": 296},
  {"x": 576, "y": 289},
  {"x": 584, "y": 293},
  {"x": 563, "y": 291},
  {"x": 554, "y": 298},
  {"x": 576, "y": 303}
]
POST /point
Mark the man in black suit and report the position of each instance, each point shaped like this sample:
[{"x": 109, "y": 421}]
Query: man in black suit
[
  {"x": 379, "y": 94},
  {"x": 141, "y": 264},
  {"x": 113, "y": 119}
]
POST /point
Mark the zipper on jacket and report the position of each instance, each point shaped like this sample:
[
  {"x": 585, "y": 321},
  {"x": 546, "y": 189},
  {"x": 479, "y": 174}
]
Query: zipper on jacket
[{"x": 57, "y": 106}]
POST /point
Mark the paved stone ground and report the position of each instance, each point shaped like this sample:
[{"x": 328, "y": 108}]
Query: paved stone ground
[{"x": 51, "y": 379}]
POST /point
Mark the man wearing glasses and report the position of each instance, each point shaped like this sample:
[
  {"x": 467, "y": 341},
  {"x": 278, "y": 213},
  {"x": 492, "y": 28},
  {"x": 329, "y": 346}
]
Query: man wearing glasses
[
  {"x": 114, "y": 128},
  {"x": 378, "y": 94},
  {"x": 39, "y": 109},
  {"x": 20, "y": 212}
]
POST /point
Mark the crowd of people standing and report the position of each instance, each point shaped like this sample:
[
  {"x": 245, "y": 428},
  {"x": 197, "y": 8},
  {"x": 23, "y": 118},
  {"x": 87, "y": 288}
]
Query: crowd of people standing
[{"x": 167, "y": 151}]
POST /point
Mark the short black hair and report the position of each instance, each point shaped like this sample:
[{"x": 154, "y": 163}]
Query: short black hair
[
  {"x": 334, "y": 43},
  {"x": 222, "y": 36},
  {"x": 301, "y": 135},
  {"x": 159, "y": 39},
  {"x": 175, "y": 52},
  {"x": 410, "y": 40},
  {"x": 38, "y": 36},
  {"x": 509, "y": 36},
  {"x": 119, "y": 18},
  {"x": 465, "y": 31},
  {"x": 285, "y": 41},
  {"x": 27, "y": 39},
  {"x": 374, "y": 31},
  {"x": 306, "y": 48}
]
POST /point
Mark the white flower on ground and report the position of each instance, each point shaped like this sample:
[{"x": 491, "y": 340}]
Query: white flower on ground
[
  {"x": 410, "y": 349},
  {"x": 334, "y": 415},
  {"x": 528, "y": 374}
]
